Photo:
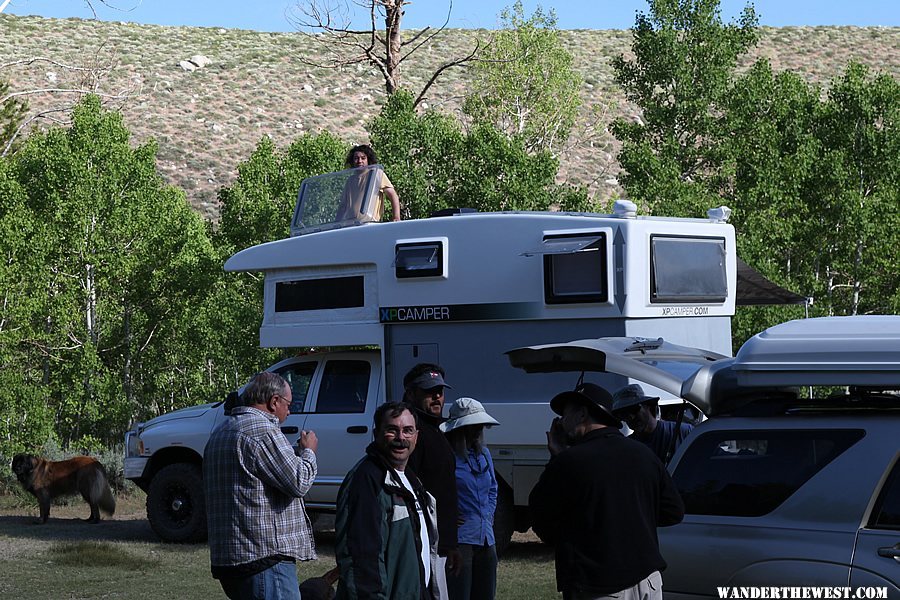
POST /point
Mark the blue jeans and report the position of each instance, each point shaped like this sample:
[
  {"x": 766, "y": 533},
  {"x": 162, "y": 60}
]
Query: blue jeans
[
  {"x": 477, "y": 579},
  {"x": 275, "y": 583}
]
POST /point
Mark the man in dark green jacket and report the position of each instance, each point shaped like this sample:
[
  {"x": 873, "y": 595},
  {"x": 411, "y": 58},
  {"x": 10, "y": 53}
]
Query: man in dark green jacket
[{"x": 385, "y": 527}]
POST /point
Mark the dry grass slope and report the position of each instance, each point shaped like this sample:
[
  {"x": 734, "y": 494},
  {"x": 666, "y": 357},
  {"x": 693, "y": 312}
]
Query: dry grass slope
[{"x": 209, "y": 120}]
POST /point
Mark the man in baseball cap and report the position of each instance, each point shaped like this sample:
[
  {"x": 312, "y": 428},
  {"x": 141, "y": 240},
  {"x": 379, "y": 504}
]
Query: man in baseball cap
[
  {"x": 434, "y": 462},
  {"x": 599, "y": 502}
]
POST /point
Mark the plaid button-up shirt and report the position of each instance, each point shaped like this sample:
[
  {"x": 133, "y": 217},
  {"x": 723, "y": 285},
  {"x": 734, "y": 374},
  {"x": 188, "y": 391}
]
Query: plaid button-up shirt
[{"x": 254, "y": 487}]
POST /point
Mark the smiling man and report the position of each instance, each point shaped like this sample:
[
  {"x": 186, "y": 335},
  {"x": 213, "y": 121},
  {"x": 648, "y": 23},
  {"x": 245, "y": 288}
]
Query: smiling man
[{"x": 385, "y": 527}]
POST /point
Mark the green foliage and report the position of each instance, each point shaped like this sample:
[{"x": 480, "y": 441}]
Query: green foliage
[
  {"x": 102, "y": 264},
  {"x": 816, "y": 186},
  {"x": 434, "y": 164},
  {"x": 259, "y": 205},
  {"x": 684, "y": 56},
  {"x": 524, "y": 82},
  {"x": 258, "y": 208},
  {"x": 812, "y": 179}
]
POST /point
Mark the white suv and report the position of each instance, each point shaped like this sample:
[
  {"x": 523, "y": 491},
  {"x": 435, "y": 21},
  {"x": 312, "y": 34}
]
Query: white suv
[{"x": 794, "y": 480}]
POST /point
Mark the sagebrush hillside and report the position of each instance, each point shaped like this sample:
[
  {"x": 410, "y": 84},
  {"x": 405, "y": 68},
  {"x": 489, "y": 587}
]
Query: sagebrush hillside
[{"x": 208, "y": 120}]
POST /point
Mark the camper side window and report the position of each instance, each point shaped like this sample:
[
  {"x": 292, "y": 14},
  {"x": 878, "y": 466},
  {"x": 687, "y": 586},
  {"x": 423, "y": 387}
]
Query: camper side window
[
  {"x": 575, "y": 269},
  {"x": 687, "y": 269},
  {"x": 344, "y": 387},
  {"x": 419, "y": 259}
]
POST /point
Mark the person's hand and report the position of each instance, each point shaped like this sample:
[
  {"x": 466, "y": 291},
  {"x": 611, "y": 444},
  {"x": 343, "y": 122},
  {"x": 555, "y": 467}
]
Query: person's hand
[
  {"x": 454, "y": 562},
  {"x": 308, "y": 439},
  {"x": 556, "y": 437}
]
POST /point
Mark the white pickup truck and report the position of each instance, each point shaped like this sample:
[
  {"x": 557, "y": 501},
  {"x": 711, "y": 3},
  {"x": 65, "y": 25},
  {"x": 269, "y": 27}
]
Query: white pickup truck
[{"x": 335, "y": 395}]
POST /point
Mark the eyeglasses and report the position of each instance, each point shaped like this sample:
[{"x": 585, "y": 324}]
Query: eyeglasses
[
  {"x": 277, "y": 396},
  {"x": 406, "y": 432}
]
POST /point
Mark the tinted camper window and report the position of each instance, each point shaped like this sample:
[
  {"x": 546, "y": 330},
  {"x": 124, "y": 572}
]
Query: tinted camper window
[
  {"x": 687, "y": 269},
  {"x": 575, "y": 269},
  {"x": 425, "y": 259},
  {"x": 319, "y": 294}
]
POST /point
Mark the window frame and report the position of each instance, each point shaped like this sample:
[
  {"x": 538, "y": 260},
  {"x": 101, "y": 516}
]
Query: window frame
[
  {"x": 673, "y": 298},
  {"x": 598, "y": 245}
]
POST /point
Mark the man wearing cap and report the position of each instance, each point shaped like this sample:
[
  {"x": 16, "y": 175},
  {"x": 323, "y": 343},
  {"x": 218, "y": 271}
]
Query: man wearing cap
[
  {"x": 599, "y": 502},
  {"x": 434, "y": 461},
  {"x": 639, "y": 412}
]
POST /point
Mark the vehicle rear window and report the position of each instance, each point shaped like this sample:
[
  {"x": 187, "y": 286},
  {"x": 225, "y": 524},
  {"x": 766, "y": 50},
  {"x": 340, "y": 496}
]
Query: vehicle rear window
[{"x": 750, "y": 473}]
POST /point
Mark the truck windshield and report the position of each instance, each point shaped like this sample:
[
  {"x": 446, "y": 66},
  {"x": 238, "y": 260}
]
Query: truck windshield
[{"x": 339, "y": 199}]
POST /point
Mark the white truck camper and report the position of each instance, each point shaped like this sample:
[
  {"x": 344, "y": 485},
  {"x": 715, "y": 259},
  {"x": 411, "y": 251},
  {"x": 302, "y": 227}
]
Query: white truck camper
[{"x": 459, "y": 290}]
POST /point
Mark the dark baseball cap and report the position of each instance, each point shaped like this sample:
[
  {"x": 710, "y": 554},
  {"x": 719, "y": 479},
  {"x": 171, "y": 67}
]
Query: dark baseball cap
[
  {"x": 630, "y": 395},
  {"x": 428, "y": 380},
  {"x": 597, "y": 400}
]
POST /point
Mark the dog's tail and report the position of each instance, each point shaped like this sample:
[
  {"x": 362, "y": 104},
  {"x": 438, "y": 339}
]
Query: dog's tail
[{"x": 101, "y": 492}]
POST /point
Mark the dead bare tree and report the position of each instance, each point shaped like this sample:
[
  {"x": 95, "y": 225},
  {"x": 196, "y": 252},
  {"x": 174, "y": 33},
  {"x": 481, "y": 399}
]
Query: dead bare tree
[
  {"x": 58, "y": 100},
  {"x": 329, "y": 23}
]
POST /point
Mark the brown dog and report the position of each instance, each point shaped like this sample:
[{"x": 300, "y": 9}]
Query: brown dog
[
  {"x": 320, "y": 588},
  {"x": 47, "y": 480}
]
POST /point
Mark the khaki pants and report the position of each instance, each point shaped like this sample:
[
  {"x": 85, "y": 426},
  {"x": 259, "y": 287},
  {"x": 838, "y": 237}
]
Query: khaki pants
[{"x": 649, "y": 588}]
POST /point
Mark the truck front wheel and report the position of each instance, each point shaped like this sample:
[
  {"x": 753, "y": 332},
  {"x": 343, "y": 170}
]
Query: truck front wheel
[{"x": 176, "y": 506}]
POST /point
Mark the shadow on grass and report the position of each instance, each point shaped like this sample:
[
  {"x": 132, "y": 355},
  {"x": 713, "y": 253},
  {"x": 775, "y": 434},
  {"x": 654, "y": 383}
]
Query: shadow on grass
[
  {"x": 530, "y": 551},
  {"x": 69, "y": 529}
]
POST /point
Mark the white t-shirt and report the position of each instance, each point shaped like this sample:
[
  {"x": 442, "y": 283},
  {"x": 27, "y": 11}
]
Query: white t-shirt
[{"x": 423, "y": 529}]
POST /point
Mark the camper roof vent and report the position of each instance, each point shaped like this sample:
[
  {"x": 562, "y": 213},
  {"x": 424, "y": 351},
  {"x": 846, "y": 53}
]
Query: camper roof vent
[
  {"x": 624, "y": 209},
  {"x": 719, "y": 214}
]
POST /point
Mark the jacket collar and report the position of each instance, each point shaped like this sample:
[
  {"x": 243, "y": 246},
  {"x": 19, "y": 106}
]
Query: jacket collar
[
  {"x": 427, "y": 418},
  {"x": 391, "y": 478},
  {"x": 603, "y": 432}
]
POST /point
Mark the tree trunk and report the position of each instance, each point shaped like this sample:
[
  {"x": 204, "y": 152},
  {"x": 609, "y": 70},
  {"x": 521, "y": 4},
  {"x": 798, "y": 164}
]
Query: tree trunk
[{"x": 393, "y": 14}]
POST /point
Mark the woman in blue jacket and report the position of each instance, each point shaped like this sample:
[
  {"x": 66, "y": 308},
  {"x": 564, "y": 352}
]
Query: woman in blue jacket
[{"x": 476, "y": 485}]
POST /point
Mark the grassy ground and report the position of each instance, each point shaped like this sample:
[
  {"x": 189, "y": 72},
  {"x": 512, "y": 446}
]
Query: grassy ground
[{"x": 122, "y": 558}]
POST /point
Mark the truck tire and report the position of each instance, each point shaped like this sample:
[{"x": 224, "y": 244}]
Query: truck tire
[
  {"x": 504, "y": 518},
  {"x": 176, "y": 506}
]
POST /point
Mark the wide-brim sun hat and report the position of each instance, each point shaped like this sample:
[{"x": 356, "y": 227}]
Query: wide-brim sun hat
[
  {"x": 630, "y": 395},
  {"x": 467, "y": 411},
  {"x": 597, "y": 400}
]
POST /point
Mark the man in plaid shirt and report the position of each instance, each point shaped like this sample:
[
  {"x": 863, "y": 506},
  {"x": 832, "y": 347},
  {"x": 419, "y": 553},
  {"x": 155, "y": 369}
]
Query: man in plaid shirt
[{"x": 254, "y": 484}]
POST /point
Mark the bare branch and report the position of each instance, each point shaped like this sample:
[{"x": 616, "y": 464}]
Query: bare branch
[
  {"x": 36, "y": 59},
  {"x": 88, "y": 79},
  {"x": 383, "y": 49},
  {"x": 453, "y": 63}
]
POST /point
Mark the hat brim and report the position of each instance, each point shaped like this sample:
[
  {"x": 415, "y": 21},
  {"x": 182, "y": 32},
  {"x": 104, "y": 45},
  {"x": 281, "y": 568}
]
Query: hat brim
[
  {"x": 617, "y": 406},
  {"x": 476, "y": 419},
  {"x": 601, "y": 414}
]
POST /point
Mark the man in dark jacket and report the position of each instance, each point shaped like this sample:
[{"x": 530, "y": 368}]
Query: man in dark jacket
[
  {"x": 599, "y": 502},
  {"x": 433, "y": 458},
  {"x": 385, "y": 526}
]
